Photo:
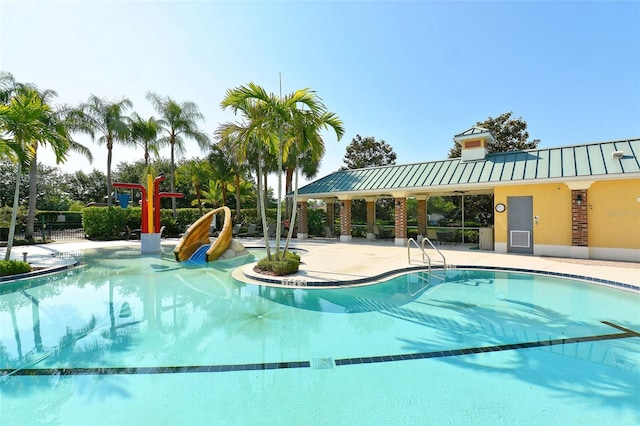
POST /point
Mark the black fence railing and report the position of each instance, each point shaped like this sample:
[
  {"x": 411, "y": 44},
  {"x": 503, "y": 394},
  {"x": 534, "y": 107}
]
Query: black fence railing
[
  {"x": 57, "y": 231},
  {"x": 52, "y": 231}
]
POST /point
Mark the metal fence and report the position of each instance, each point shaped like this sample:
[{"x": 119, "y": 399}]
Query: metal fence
[
  {"x": 59, "y": 231},
  {"x": 52, "y": 231}
]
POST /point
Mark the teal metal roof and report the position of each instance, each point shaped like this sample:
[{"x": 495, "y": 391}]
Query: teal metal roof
[{"x": 551, "y": 164}]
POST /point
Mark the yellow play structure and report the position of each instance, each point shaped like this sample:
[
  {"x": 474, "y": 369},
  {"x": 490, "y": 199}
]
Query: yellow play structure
[{"x": 198, "y": 235}]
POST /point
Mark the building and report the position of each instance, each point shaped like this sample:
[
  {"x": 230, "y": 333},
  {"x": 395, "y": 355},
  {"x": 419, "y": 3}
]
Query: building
[{"x": 579, "y": 201}]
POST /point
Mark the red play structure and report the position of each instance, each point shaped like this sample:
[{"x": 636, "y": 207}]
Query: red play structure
[{"x": 150, "y": 222}]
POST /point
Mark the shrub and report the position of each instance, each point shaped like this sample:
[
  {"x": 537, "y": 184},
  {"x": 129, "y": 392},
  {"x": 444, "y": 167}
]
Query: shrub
[
  {"x": 316, "y": 221},
  {"x": 13, "y": 267},
  {"x": 105, "y": 223},
  {"x": 251, "y": 216},
  {"x": 288, "y": 265}
]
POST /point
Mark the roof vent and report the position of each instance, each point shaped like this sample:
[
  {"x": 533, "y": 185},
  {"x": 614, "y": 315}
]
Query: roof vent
[
  {"x": 616, "y": 155},
  {"x": 474, "y": 143}
]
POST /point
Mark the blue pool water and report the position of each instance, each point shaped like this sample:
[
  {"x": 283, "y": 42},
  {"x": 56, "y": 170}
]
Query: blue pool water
[{"x": 144, "y": 340}]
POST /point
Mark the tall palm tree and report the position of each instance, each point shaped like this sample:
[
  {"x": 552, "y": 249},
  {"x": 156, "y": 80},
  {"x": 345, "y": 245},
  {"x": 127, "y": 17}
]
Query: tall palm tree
[
  {"x": 108, "y": 120},
  {"x": 226, "y": 159},
  {"x": 178, "y": 121},
  {"x": 23, "y": 120},
  {"x": 60, "y": 121},
  {"x": 268, "y": 118},
  {"x": 145, "y": 133},
  {"x": 252, "y": 140},
  {"x": 10, "y": 148},
  {"x": 305, "y": 145}
]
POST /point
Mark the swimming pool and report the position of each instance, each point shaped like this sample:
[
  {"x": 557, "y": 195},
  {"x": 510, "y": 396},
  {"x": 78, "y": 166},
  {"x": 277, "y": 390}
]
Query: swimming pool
[{"x": 144, "y": 340}]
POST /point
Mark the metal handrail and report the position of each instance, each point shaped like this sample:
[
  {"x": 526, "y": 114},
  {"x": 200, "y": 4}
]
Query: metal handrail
[
  {"x": 444, "y": 260},
  {"x": 424, "y": 253}
]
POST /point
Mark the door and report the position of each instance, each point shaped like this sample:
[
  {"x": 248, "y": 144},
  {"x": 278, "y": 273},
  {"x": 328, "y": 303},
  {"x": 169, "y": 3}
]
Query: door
[{"x": 520, "y": 225}]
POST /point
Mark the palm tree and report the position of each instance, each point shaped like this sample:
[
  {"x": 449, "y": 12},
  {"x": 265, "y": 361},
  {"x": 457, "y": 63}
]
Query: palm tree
[
  {"x": 306, "y": 145},
  {"x": 269, "y": 116},
  {"x": 178, "y": 121},
  {"x": 60, "y": 121},
  {"x": 226, "y": 160},
  {"x": 145, "y": 133},
  {"x": 196, "y": 172},
  {"x": 214, "y": 193},
  {"x": 251, "y": 140},
  {"x": 23, "y": 120},
  {"x": 107, "y": 119}
]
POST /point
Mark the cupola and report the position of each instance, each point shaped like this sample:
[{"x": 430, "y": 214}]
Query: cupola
[{"x": 474, "y": 143}]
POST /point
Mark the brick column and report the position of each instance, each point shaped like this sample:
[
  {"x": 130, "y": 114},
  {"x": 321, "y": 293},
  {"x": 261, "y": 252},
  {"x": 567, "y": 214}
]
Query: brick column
[
  {"x": 345, "y": 221},
  {"x": 400, "y": 204},
  {"x": 303, "y": 221},
  {"x": 579, "y": 222},
  {"x": 422, "y": 217}
]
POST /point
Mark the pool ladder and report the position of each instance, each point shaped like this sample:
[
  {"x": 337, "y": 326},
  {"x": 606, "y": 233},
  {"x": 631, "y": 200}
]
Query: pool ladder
[{"x": 426, "y": 259}]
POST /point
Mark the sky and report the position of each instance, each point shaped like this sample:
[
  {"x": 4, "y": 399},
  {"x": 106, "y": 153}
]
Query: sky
[{"x": 411, "y": 73}]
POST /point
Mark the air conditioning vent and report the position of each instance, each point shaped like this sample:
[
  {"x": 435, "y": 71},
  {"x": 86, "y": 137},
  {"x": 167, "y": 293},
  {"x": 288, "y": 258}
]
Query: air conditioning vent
[{"x": 520, "y": 239}]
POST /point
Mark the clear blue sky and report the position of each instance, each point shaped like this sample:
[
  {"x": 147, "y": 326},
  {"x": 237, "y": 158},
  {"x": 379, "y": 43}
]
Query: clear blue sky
[{"x": 410, "y": 73}]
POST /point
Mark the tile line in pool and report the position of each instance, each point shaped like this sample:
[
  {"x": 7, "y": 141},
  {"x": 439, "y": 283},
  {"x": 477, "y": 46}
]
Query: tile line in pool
[{"x": 73, "y": 371}]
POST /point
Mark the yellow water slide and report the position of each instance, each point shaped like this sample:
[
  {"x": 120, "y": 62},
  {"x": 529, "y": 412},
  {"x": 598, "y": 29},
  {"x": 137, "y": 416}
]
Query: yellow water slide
[{"x": 198, "y": 234}]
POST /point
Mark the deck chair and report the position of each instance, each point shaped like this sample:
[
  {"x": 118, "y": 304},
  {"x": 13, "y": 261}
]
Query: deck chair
[
  {"x": 381, "y": 234},
  {"x": 328, "y": 232},
  {"x": 432, "y": 235},
  {"x": 271, "y": 230}
]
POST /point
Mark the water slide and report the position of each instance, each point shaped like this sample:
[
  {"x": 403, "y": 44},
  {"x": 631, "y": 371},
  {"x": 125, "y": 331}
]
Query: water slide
[{"x": 198, "y": 235}]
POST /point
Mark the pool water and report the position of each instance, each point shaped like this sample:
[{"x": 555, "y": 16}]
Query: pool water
[{"x": 144, "y": 340}]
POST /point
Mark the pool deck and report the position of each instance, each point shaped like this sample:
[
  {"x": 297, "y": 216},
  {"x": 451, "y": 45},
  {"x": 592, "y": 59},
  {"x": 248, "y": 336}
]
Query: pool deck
[{"x": 358, "y": 261}]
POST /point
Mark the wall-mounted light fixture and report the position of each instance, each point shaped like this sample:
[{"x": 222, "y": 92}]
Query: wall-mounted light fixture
[
  {"x": 398, "y": 204},
  {"x": 579, "y": 199}
]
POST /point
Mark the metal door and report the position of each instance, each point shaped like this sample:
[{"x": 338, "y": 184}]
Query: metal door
[{"x": 520, "y": 225}]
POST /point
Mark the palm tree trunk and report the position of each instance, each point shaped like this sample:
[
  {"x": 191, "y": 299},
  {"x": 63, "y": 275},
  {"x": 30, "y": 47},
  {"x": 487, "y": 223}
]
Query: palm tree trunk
[
  {"x": 199, "y": 198},
  {"x": 14, "y": 213},
  {"x": 279, "y": 205},
  {"x": 265, "y": 190},
  {"x": 288, "y": 180},
  {"x": 223, "y": 189},
  {"x": 109, "y": 185},
  {"x": 33, "y": 194},
  {"x": 294, "y": 210},
  {"x": 238, "y": 196},
  {"x": 173, "y": 183},
  {"x": 263, "y": 212}
]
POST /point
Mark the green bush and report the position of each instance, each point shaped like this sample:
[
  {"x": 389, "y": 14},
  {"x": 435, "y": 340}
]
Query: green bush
[
  {"x": 13, "y": 267},
  {"x": 316, "y": 221},
  {"x": 250, "y": 216},
  {"x": 102, "y": 223},
  {"x": 289, "y": 265},
  {"x": 5, "y": 217},
  {"x": 106, "y": 223}
]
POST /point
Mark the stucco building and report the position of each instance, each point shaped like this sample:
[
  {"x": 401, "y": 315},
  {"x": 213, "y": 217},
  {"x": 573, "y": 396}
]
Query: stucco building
[{"x": 580, "y": 201}]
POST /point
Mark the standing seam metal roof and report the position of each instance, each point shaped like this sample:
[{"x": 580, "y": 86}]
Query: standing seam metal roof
[{"x": 578, "y": 161}]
